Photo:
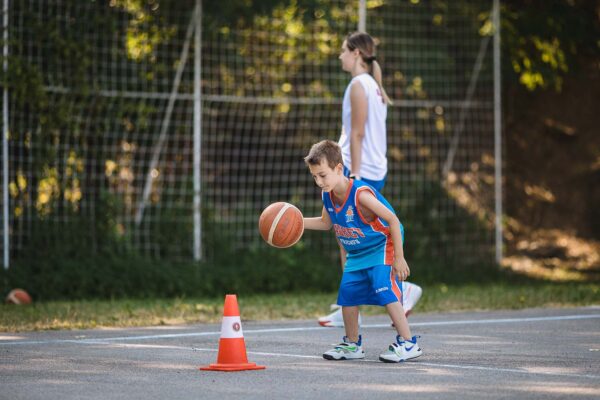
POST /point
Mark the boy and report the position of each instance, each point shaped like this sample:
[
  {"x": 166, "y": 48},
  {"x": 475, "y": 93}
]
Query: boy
[{"x": 372, "y": 236}]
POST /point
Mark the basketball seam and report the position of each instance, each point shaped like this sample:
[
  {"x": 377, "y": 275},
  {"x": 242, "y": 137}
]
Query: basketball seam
[{"x": 276, "y": 222}]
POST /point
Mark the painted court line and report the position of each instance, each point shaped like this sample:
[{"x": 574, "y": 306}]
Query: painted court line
[
  {"x": 297, "y": 329},
  {"x": 510, "y": 370},
  {"x": 415, "y": 363},
  {"x": 496, "y": 321}
]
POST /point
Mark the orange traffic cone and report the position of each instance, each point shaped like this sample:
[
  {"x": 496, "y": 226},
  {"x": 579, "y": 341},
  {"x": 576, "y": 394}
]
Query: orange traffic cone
[{"x": 232, "y": 348}]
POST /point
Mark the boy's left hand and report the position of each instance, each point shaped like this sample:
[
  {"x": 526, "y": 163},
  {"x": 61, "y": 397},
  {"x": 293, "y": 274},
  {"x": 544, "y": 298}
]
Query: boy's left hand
[{"x": 401, "y": 269}]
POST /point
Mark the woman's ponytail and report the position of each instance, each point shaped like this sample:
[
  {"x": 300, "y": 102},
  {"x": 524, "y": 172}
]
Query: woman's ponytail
[{"x": 376, "y": 72}]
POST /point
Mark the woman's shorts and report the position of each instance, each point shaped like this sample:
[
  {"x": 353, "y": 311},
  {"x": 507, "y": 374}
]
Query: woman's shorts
[{"x": 378, "y": 185}]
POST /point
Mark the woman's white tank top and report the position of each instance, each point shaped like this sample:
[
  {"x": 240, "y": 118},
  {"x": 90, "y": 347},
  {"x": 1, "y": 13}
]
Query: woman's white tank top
[{"x": 373, "y": 161}]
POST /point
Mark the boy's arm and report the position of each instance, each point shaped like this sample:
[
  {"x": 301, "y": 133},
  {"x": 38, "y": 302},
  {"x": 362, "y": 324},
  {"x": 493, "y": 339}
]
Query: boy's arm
[
  {"x": 343, "y": 254},
  {"x": 369, "y": 201},
  {"x": 322, "y": 223}
]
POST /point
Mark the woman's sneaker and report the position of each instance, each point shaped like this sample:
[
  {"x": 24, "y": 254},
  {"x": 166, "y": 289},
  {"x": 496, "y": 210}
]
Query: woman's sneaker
[
  {"x": 346, "y": 350},
  {"x": 335, "y": 319},
  {"x": 402, "y": 350},
  {"x": 411, "y": 294}
]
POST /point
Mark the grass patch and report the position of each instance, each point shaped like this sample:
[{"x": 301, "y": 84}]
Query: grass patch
[{"x": 436, "y": 298}]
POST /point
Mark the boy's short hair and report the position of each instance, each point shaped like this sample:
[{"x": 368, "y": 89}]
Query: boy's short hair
[{"x": 327, "y": 150}]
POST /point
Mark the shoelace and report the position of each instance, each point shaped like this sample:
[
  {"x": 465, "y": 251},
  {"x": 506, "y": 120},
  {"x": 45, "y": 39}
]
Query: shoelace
[{"x": 400, "y": 340}]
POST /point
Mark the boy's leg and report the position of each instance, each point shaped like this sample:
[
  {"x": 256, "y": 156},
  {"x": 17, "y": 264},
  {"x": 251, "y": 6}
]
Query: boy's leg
[
  {"x": 335, "y": 319},
  {"x": 386, "y": 292},
  {"x": 354, "y": 289},
  {"x": 396, "y": 313},
  {"x": 405, "y": 347},
  {"x": 411, "y": 294},
  {"x": 353, "y": 284},
  {"x": 351, "y": 322}
]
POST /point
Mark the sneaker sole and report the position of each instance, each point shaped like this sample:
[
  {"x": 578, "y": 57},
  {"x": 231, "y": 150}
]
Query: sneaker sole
[
  {"x": 385, "y": 360},
  {"x": 399, "y": 360},
  {"x": 332, "y": 358},
  {"x": 343, "y": 358}
]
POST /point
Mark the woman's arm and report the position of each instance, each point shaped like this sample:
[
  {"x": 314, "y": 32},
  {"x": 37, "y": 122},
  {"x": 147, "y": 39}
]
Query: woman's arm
[{"x": 358, "y": 101}]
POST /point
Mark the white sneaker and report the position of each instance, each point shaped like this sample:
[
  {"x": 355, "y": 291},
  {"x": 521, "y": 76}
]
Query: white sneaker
[
  {"x": 346, "y": 350},
  {"x": 401, "y": 350},
  {"x": 411, "y": 294},
  {"x": 335, "y": 319}
]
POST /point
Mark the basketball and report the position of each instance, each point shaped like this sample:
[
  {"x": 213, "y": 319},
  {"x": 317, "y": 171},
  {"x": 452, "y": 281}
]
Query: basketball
[
  {"x": 281, "y": 225},
  {"x": 18, "y": 296}
]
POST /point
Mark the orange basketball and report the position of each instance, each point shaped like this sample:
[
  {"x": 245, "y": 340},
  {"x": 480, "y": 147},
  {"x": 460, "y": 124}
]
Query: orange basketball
[
  {"x": 18, "y": 296},
  {"x": 281, "y": 225}
]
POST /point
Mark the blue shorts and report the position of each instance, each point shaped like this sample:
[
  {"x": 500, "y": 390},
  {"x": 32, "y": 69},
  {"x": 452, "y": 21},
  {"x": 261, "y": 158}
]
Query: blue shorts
[
  {"x": 378, "y": 185},
  {"x": 369, "y": 286}
]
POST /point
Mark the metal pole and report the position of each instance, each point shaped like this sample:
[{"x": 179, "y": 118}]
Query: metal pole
[
  {"x": 198, "y": 133},
  {"x": 362, "y": 15},
  {"x": 166, "y": 121},
  {"x": 497, "y": 132},
  {"x": 465, "y": 106},
  {"x": 5, "y": 212}
]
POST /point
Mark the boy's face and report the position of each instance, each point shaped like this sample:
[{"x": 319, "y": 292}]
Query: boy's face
[{"x": 326, "y": 177}]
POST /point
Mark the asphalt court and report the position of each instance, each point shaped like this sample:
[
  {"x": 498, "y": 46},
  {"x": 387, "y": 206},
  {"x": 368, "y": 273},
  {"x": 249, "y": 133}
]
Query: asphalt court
[{"x": 533, "y": 354}]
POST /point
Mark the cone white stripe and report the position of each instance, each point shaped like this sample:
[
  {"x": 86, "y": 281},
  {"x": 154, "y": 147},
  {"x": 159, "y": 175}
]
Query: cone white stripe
[
  {"x": 12, "y": 296},
  {"x": 276, "y": 222},
  {"x": 231, "y": 328}
]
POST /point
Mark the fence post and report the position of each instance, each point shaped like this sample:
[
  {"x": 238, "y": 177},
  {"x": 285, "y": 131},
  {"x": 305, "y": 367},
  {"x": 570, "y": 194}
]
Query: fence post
[
  {"x": 497, "y": 133},
  {"x": 198, "y": 133},
  {"x": 156, "y": 152},
  {"x": 362, "y": 16},
  {"x": 5, "y": 127}
]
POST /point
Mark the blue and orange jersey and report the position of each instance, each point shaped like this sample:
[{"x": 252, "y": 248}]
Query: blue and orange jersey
[{"x": 367, "y": 243}]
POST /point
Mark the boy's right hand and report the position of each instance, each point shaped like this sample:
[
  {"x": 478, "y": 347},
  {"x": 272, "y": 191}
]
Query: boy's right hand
[{"x": 401, "y": 269}]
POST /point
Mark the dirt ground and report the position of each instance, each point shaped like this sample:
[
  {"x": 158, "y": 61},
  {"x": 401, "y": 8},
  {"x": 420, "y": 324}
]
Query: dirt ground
[{"x": 552, "y": 179}]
